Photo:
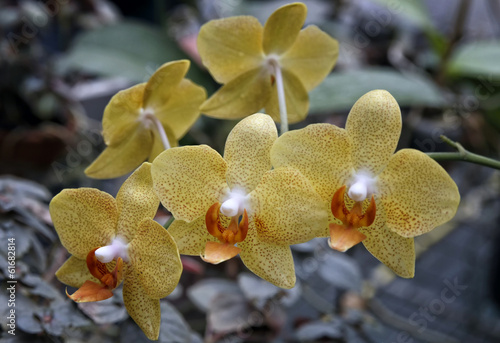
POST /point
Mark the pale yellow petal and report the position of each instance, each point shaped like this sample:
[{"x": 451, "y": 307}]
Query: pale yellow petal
[
  {"x": 273, "y": 263},
  {"x": 417, "y": 193},
  {"x": 296, "y": 99},
  {"x": 158, "y": 146},
  {"x": 145, "y": 311},
  {"x": 322, "y": 152},
  {"x": 181, "y": 111},
  {"x": 121, "y": 114},
  {"x": 188, "y": 180},
  {"x": 245, "y": 95},
  {"x": 374, "y": 125},
  {"x": 136, "y": 201},
  {"x": 120, "y": 159},
  {"x": 247, "y": 151},
  {"x": 163, "y": 82},
  {"x": 286, "y": 209},
  {"x": 153, "y": 252},
  {"x": 311, "y": 57},
  {"x": 283, "y": 27},
  {"x": 231, "y": 46},
  {"x": 74, "y": 272},
  {"x": 393, "y": 250},
  {"x": 192, "y": 237},
  {"x": 84, "y": 219}
]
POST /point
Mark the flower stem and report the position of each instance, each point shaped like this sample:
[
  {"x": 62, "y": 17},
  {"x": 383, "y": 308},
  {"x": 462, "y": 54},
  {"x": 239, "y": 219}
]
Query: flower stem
[
  {"x": 160, "y": 129},
  {"x": 281, "y": 96},
  {"x": 462, "y": 155}
]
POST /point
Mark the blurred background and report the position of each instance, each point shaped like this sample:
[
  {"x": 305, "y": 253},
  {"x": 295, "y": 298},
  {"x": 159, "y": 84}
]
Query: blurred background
[{"x": 62, "y": 60}]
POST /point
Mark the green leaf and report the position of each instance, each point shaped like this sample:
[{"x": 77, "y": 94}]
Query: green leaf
[
  {"x": 128, "y": 49},
  {"x": 413, "y": 10},
  {"x": 340, "y": 91},
  {"x": 476, "y": 59}
]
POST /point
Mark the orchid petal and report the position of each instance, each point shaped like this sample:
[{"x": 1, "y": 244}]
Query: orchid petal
[
  {"x": 374, "y": 126},
  {"x": 296, "y": 99},
  {"x": 322, "y": 152},
  {"x": 120, "y": 159},
  {"x": 84, "y": 219},
  {"x": 311, "y": 57},
  {"x": 286, "y": 209},
  {"x": 136, "y": 201},
  {"x": 216, "y": 252},
  {"x": 182, "y": 109},
  {"x": 153, "y": 252},
  {"x": 74, "y": 272},
  {"x": 188, "y": 180},
  {"x": 231, "y": 46},
  {"x": 282, "y": 28},
  {"x": 247, "y": 151},
  {"x": 121, "y": 114},
  {"x": 417, "y": 193},
  {"x": 273, "y": 263},
  {"x": 242, "y": 96},
  {"x": 163, "y": 82},
  {"x": 145, "y": 311}
]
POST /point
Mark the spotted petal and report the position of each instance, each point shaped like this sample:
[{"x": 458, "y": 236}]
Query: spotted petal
[
  {"x": 121, "y": 113},
  {"x": 192, "y": 237},
  {"x": 145, "y": 311},
  {"x": 240, "y": 97},
  {"x": 231, "y": 46},
  {"x": 120, "y": 159},
  {"x": 273, "y": 263},
  {"x": 136, "y": 201},
  {"x": 282, "y": 28},
  {"x": 286, "y": 209},
  {"x": 247, "y": 151},
  {"x": 84, "y": 219},
  {"x": 296, "y": 99},
  {"x": 393, "y": 250},
  {"x": 188, "y": 180},
  {"x": 417, "y": 193},
  {"x": 74, "y": 272},
  {"x": 322, "y": 152},
  {"x": 153, "y": 252},
  {"x": 374, "y": 125},
  {"x": 311, "y": 57}
]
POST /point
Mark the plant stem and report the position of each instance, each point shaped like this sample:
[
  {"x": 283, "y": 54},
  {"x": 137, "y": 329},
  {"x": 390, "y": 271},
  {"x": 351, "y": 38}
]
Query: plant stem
[
  {"x": 160, "y": 129},
  {"x": 462, "y": 155},
  {"x": 281, "y": 96}
]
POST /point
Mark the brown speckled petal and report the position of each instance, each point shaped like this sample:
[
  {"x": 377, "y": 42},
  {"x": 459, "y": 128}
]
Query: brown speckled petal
[
  {"x": 247, "y": 151},
  {"x": 84, "y": 219},
  {"x": 145, "y": 311},
  {"x": 273, "y": 263},
  {"x": 417, "y": 193},
  {"x": 374, "y": 126}
]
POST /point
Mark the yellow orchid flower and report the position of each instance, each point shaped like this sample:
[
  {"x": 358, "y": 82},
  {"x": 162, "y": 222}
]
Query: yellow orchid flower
[
  {"x": 104, "y": 234},
  {"x": 247, "y": 58},
  {"x": 379, "y": 197},
  {"x": 141, "y": 121},
  {"x": 219, "y": 202}
]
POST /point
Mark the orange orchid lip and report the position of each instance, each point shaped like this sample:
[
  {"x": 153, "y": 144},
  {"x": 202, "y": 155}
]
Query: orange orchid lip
[
  {"x": 92, "y": 291},
  {"x": 345, "y": 236},
  {"x": 235, "y": 232}
]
